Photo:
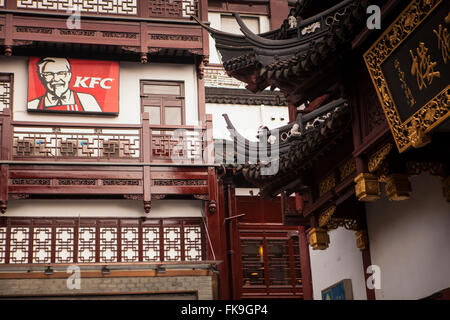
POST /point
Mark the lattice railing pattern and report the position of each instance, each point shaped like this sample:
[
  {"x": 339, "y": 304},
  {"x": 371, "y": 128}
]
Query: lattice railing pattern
[
  {"x": 130, "y": 244},
  {"x": 64, "y": 247},
  {"x": 56, "y": 241},
  {"x": 173, "y": 8},
  {"x": 5, "y": 93},
  {"x": 44, "y": 142},
  {"x": 178, "y": 145},
  {"x": 172, "y": 244},
  {"x": 192, "y": 243},
  {"x": 122, "y": 7},
  {"x": 42, "y": 245},
  {"x": 19, "y": 245},
  {"x": 151, "y": 244},
  {"x": 2, "y": 244}
]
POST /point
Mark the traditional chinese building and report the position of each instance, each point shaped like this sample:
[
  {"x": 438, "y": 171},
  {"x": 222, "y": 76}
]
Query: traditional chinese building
[
  {"x": 106, "y": 151},
  {"x": 266, "y": 258},
  {"x": 366, "y": 151}
]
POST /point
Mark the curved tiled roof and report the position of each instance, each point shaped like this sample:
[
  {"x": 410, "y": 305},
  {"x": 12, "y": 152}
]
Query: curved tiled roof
[{"x": 318, "y": 131}]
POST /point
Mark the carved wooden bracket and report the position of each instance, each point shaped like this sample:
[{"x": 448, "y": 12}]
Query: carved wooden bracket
[
  {"x": 362, "y": 240},
  {"x": 147, "y": 206},
  {"x": 397, "y": 187},
  {"x": 3, "y": 206},
  {"x": 367, "y": 187},
  {"x": 212, "y": 206},
  {"x": 201, "y": 197},
  {"x": 144, "y": 58},
  {"x": 8, "y": 51},
  {"x": 318, "y": 238}
]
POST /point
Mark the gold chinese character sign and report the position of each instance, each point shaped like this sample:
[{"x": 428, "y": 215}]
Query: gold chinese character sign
[{"x": 410, "y": 68}]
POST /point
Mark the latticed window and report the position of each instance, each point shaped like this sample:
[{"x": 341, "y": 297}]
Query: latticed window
[
  {"x": 5, "y": 90},
  {"x": 270, "y": 262},
  {"x": 66, "y": 240}
]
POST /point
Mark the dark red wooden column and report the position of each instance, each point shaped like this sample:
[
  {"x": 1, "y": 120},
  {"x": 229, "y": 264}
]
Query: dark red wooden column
[
  {"x": 305, "y": 265},
  {"x": 6, "y": 145},
  {"x": 147, "y": 151},
  {"x": 215, "y": 223}
]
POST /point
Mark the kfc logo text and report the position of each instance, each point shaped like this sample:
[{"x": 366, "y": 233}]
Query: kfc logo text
[{"x": 91, "y": 82}]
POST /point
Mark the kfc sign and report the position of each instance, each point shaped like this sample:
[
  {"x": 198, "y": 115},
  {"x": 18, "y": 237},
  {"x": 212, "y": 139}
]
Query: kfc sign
[{"x": 72, "y": 85}]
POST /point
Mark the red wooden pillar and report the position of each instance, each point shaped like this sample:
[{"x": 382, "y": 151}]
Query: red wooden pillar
[
  {"x": 6, "y": 145},
  {"x": 147, "y": 151},
  {"x": 305, "y": 265},
  {"x": 367, "y": 261},
  {"x": 215, "y": 223}
]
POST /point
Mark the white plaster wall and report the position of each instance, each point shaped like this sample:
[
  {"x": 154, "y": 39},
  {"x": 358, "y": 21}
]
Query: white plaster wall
[
  {"x": 103, "y": 208},
  {"x": 342, "y": 260},
  {"x": 409, "y": 241},
  {"x": 214, "y": 19},
  {"x": 246, "y": 119},
  {"x": 130, "y": 73},
  {"x": 246, "y": 191}
]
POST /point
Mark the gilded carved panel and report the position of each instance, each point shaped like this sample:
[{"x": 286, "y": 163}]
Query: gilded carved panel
[{"x": 409, "y": 66}]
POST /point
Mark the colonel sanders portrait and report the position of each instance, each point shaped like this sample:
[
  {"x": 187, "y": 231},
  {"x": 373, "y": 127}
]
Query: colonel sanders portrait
[{"x": 55, "y": 75}]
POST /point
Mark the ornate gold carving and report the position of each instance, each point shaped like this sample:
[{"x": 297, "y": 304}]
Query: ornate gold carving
[
  {"x": 433, "y": 168},
  {"x": 327, "y": 184},
  {"x": 377, "y": 158},
  {"x": 444, "y": 41},
  {"x": 417, "y": 135},
  {"x": 347, "y": 169},
  {"x": 347, "y": 223},
  {"x": 432, "y": 113},
  {"x": 362, "y": 240},
  {"x": 422, "y": 67},
  {"x": 325, "y": 216},
  {"x": 446, "y": 188},
  {"x": 406, "y": 89},
  {"x": 398, "y": 187},
  {"x": 318, "y": 239},
  {"x": 367, "y": 187}
]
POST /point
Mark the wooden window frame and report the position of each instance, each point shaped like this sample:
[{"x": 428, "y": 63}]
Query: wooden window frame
[
  {"x": 5, "y": 76},
  {"x": 180, "y": 97}
]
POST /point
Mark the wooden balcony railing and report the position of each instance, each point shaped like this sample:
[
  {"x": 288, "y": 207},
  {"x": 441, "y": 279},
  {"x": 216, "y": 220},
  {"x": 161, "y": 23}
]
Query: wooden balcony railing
[
  {"x": 172, "y": 9},
  {"x": 33, "y": 141}
]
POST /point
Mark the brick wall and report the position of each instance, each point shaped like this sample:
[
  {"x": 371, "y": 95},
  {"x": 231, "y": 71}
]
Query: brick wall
[{"x": 202, "y": 285}]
